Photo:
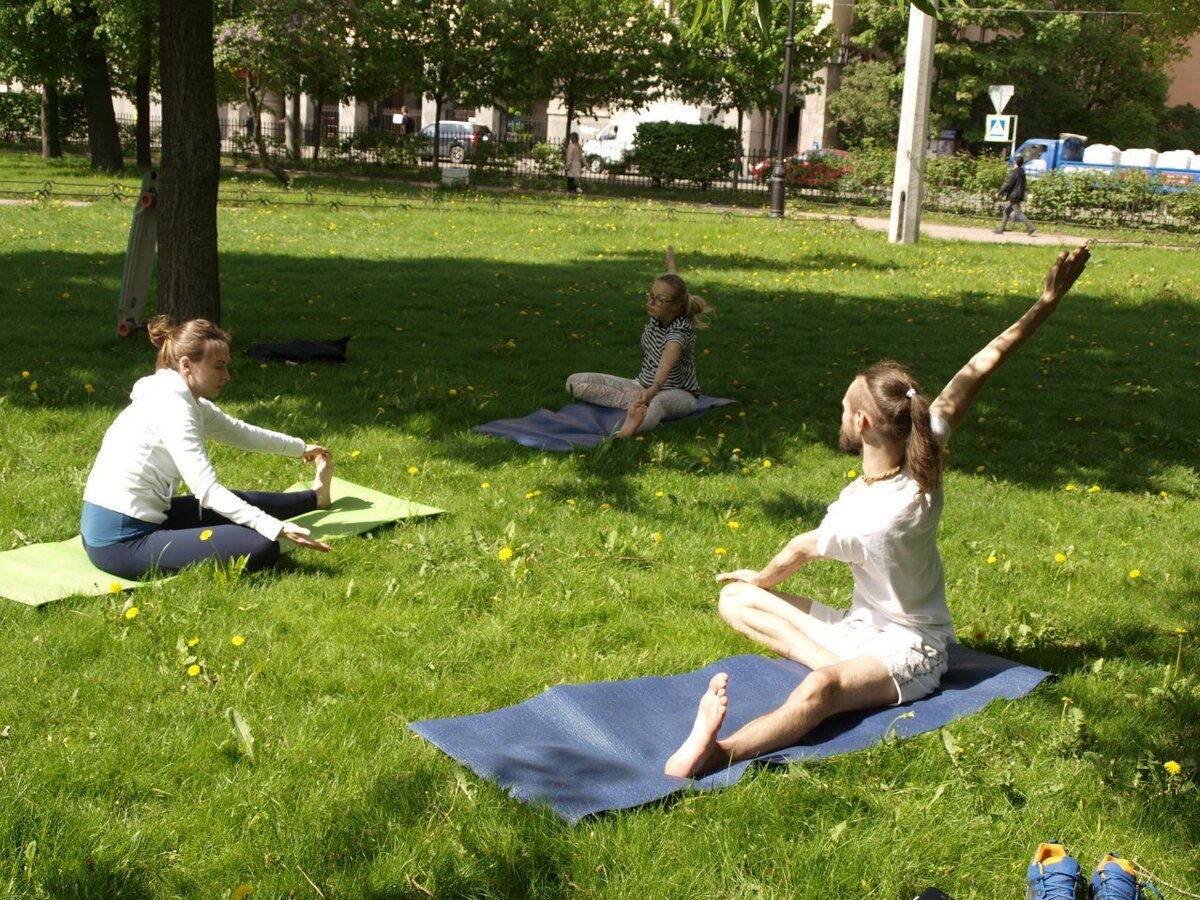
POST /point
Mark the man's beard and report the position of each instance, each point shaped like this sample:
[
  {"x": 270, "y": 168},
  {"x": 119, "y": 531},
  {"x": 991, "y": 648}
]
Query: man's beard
[{"x": 850, "y": 444}]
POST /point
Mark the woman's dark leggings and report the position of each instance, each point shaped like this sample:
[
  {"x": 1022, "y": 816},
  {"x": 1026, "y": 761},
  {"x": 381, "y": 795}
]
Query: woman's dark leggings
[{"x": 179, "y": 541}]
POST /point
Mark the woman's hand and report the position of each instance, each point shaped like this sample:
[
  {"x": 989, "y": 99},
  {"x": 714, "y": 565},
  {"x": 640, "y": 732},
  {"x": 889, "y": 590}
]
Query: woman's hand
[
  {"x": 314, "y": 451},
  {"x": 298, "y": 534}
]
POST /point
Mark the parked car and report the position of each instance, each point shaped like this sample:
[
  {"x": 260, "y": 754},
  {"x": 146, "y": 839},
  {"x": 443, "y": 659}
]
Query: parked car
[
  {"x": 458, "y": 140},
  {"x": 819, "y": 168}
]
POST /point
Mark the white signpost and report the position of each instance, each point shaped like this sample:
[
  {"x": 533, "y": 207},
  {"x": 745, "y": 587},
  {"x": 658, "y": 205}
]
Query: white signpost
[{"x": 1000, "y": 128}]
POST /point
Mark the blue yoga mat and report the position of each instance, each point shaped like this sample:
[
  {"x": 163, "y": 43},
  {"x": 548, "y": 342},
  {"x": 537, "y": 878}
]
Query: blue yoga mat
[
  {"x": 586, "y": 748},
  {"x": 575, "y": 425}
]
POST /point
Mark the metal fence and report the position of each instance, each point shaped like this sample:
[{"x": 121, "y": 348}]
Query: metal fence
[{"x": 517, "y": 156}]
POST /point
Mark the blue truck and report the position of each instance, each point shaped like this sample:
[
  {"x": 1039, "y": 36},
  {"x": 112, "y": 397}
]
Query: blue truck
[{"x": 1177, "y": 170}]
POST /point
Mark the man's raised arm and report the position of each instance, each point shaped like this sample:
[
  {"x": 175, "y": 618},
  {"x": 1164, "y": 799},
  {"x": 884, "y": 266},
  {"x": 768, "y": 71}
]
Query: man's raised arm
[{"x": 957, "y": 396}]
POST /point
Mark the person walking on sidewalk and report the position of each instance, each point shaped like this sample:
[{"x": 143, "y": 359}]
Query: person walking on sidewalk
[{"x": 1013, "y": 190}]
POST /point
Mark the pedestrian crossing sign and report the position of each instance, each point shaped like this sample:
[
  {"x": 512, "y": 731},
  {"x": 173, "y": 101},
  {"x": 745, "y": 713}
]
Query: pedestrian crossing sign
[{"x": 998, "y": 128}]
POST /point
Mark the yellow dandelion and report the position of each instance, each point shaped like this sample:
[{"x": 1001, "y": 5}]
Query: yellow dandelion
[
  {"x": 720, "y": 551},
  {"x": 706, "y": 460},
  {"x": 1162, "y": 494},
  {"x": 991, "y": 560},
  {"x": 1172, "y": 767},
  {"x": 237, "y": 640},
  {"x": 658, "y": 493},
  {"x": 505, "y": 554},
  {"x": 851, "y": 473},
  {"x": 206, "y": 534},
  {"x": 24, "y": 373},
  {"x": 766, "y": 464},
  {"x": 413, "y": 470},
  {"x": 529, "y": 495},
  {"x": 1135, "y": 573},
  {"x": 1094, "y": 489},
  {"x": 193, "y": 642},
  {"x": 132, "y": 613},
  {"x": 734, "y": 524},
  {"x": 453, "y": 392},
  {"x": 66, "y": 295},
  {"x": 1181, "y": 630},
  {"x": 193, "y": 670},
  {"x": 114, "y": 587},
  {"x": 89, "y": 388},
  {"x": 606, "y": 506},
  {"x": 1070, "y": 487},
  {"x": 33, "y": 386},
  {"x": 486, "y": 485},
  {"x": 570, "y": 501},
  {"x": 657, "y": 537},
  {"x": 355, "y": 454},
  {"x": 1060, "y": 557},
  {"x": 512, "y": 345},
  {"x": 981, "y": 468}
]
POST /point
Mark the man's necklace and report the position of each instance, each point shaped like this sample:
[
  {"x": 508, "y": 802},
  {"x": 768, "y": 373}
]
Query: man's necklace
[{"x": 882, "y": 476}]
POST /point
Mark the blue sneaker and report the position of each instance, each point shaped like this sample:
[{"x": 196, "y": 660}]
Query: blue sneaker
[
  {"x": 1055, "y": 875},
  {"x": 1116, "y": 879}
]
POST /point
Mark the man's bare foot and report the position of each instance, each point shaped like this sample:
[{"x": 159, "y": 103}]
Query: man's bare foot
[
  {"x": 633, "y": 420},
  {"x": 700, "y": 753},
  {"x": 321, "y": 483}
]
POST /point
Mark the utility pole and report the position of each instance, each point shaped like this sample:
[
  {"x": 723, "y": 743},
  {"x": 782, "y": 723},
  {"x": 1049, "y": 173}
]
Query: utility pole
[{"x": 908, "y": 181}]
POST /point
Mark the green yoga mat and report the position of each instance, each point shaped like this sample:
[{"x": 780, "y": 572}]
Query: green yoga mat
[{"x": 41, "y": 573}]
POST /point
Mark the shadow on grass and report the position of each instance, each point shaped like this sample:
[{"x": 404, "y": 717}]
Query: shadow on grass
[{"x": 442, "y": 344}]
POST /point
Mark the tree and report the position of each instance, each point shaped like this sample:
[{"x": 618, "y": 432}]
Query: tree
[
  {"x": 866, "y": 107},
  {"x": 91, "y": 52},
  {"x": 188, "y": 284},
  {"x": 1101, "y": 75},
  {"x": 455, "y": 43},
  {"x": 737, "y": 67},
  {"x": 594, "y": 53},
  {"x": 32, "y": 35}
]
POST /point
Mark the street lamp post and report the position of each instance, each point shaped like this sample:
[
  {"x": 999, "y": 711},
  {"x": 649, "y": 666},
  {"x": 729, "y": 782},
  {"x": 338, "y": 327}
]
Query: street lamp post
[{"x": 779, "y": 174}]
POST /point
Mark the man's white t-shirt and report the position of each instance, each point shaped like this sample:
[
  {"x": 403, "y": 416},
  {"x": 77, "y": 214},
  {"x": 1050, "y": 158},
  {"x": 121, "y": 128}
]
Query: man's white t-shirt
[{"x": 886, "y": 533}]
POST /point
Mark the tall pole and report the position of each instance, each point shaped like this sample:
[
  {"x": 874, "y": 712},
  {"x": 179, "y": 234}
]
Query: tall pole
[
  {"x": 908, "y": 180},
  {"x": 779, "y": 174}
]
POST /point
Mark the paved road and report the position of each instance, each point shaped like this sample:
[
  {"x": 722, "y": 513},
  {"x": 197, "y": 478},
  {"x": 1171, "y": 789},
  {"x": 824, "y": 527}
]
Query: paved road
[{"x": 984, "y": 234}]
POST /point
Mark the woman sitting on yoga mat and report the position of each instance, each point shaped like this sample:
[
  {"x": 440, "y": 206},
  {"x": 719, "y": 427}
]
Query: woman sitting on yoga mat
[
  {"x": 666, "y": 387},
  {"x": 134, "y": 524}
]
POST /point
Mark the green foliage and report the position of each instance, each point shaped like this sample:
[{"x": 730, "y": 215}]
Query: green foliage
[
  {"x": 548, "y": 158},
  {"x": 679, "y": 151},
  {"x": 866, "y": 107},
  {"x": 1179, "y": 129},
  {"x": 20, "y": 116}
]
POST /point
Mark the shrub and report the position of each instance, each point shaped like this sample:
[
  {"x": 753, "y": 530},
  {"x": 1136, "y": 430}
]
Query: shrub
[
  {"x": 20, "y": 117},
  {"x": 547, "y": 158},
  {"x": 677, "y": 151}
]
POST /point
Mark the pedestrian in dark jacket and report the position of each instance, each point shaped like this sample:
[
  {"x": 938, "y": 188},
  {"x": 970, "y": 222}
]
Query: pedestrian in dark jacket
[{"x": 1013, "y": 190}]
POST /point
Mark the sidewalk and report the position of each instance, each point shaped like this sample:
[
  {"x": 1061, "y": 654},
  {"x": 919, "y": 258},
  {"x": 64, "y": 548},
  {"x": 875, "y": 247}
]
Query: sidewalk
[{"x": 983, "y": 233}]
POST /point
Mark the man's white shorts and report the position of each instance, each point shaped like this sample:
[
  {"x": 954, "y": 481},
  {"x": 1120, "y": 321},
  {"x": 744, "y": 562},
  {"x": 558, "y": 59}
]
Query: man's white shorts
[{"x": 915, "y": 664}]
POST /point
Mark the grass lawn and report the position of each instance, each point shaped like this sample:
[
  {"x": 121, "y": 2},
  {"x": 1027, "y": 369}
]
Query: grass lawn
[{"x": 1069, "y": 542}]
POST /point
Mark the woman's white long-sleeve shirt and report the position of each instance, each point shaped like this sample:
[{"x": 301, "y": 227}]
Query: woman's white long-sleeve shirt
[{"x": 159, "y": 440}]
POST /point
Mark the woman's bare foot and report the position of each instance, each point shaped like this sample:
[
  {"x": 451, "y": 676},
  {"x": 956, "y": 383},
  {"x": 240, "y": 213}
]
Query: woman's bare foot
[
  {"x": 324, "y": 476},
  {"x": 634, "y": 417},
  {"x": 700, "y": 752}
]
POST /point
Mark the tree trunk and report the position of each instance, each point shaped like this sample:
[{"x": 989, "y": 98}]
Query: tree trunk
[
  {"x": 188, "y": 286},
  {"x": 254, "y": 101},
  {"x": 104, "y": 138},
  {"x": 51, "y": 132},
  {"x": 141, "y": 96},
  {"x": 318, "y": 129},
  {"x": 295, "y": 135}
]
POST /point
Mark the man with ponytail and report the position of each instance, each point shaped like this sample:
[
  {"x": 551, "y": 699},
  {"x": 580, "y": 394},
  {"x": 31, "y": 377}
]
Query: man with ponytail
[{"x": 891, "y": 645}]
